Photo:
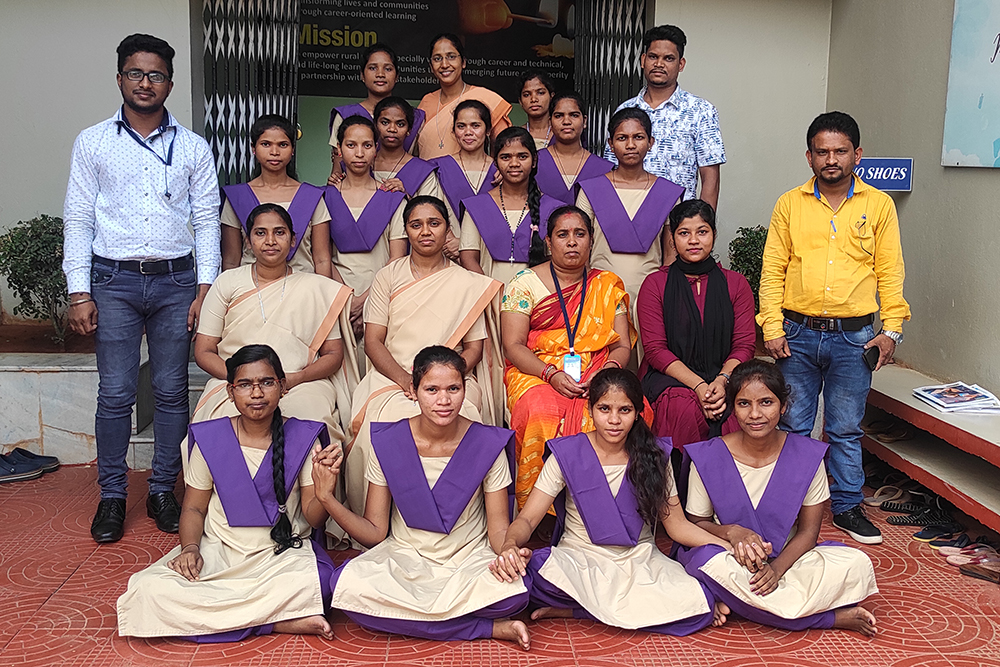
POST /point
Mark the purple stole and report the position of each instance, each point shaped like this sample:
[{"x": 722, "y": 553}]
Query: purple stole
[
  {"x": 454, "y": 183},
  {"x": 250, "y": 501},
  {"x": 439, "y": 508},
  {"x": 551, "y": 182},
  {"x": 495, "y": 231},
  {"x": 357, "y": 110},
  {"x": 361, "y": 235},
  {"x": 610, "y": 520},
  {"x": 631, "y": 235},
  {"x": 243, "y": 200},
  {"x": 779, "y": 506},
  {"x": 413, "y": 174}
]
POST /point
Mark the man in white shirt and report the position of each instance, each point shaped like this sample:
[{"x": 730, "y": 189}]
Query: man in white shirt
[{"x": 137, "y": 181}]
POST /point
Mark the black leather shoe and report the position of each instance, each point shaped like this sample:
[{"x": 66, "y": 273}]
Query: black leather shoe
[
  {"x": 164, "y": 509},
  {"x": 109, "y": 522}
]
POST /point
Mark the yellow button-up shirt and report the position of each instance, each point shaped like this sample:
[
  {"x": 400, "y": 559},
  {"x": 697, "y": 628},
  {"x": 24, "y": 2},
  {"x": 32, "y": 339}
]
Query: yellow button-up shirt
[{"x": 826, "y": 263}]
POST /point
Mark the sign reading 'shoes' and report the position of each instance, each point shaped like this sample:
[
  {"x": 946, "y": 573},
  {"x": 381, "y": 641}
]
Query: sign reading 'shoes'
[{"x": 887, "y": 173}]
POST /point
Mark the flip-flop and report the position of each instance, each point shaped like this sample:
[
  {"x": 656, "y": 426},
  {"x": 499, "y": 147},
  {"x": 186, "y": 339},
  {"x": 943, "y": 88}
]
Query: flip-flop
[
  {"x": 878, "y": 426},
  {"x": 895, "y": 434},
  {"x": 927, "y": 517},
  {"x": 988, "y": 555},
  {"x": 984, "y": 572},
  {"x": 968, "y": 550},
  {"x": 903, "y": 508},
  {"x": 957, "y": 543},
  {"x": 887, "y": 493},
  {"x": 936, "y": 531}
]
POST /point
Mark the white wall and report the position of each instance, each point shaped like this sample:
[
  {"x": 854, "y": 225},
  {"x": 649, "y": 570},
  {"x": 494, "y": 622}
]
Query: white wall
[
  {"x": 57, "y": 76},
  {"x": 763, "y": 64},
  {"x": 889, "y": 69}
]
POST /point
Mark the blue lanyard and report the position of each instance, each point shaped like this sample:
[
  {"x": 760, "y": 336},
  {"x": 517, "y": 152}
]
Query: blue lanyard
[
  {"x": 139, "y": 140},
  {"x": 571, "y": 332}
]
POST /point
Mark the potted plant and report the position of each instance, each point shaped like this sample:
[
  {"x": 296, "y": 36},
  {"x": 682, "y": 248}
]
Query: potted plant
[
  {"x": 31, "y": 254},
  {"x": 746, "y": 256}
]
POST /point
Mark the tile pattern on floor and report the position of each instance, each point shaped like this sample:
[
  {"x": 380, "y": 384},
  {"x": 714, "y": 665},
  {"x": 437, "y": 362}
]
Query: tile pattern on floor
[{"x": 58, "y": 592}]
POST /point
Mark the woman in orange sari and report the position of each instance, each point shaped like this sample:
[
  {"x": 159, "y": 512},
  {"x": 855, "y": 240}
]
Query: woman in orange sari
[{"x": 561, "y": 323}]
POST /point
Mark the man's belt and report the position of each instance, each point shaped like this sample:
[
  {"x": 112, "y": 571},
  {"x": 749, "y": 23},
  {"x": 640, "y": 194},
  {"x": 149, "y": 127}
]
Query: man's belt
[
  {"x": 830, "y": 323},
  {"x": 149, "y": 267}
]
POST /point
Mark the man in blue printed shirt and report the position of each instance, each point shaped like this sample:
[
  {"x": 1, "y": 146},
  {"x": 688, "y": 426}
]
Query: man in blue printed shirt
[
  {"x": 139, "y": 184},
  {"x": 687, "y": 141}
]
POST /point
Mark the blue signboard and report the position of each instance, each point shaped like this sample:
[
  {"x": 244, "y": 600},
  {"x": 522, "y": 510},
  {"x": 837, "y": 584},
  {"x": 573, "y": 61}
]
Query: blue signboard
[{"x": 887, "y": 173}]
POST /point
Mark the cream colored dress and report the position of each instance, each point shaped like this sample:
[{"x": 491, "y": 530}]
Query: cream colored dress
[
  {"x": 823, "y": 578},
  {"x": 302, "y": 260},
  {"x": 423, "y": 575},
  {"x": 445, "y": 308},
  {"x": 242, "y": 583},
  {"x": 626, "y": 587},
  {"x": 502, "y": 271},
  {"x": 358, "y": 269},
  {"x": 632, "y": 268}
]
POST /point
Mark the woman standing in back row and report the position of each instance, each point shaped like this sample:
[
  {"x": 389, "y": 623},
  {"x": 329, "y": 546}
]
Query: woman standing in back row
[{"x": 447, "y": 59}]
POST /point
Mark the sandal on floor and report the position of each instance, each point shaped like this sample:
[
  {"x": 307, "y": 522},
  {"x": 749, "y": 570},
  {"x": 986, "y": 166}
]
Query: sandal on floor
[
  {"x": 985, "y": 572},
  {"x": 897, "y": 433},
  {"x": 937, "y": 531},
  {"x": 976, "y": 557},
  {"x": 878, "y": 426},
  {"x": 926, "y": 517},
  {"x": 903, "y": 507},
  {"x": 977, "y": 543},
  {"x": 885, "y": 494},
  {"x": 957, "y": 543}
]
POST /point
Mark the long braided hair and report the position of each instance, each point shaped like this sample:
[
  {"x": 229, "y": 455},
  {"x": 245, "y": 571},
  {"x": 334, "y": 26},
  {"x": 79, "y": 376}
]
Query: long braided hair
[
  {"x": 281, "y": 532},
  {"x": 536, "y": 252},
  {"x": 647, "y": 464}
]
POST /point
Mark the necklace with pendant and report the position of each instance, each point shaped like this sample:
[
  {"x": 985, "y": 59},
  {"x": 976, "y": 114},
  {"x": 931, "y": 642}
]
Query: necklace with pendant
[
  {"x": 256, "y": 284},
  {"x": 437, "y": 123},
  {"x": 513, "y": 233}
]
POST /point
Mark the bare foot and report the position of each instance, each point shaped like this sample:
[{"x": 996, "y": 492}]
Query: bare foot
[
  {"x": 308, "y": 625},
  {"x": 721, "y": 611},
  {"x": 551, "y": 612},
  {"x": 858, "y": 619},
  {"x": 512, "y": 631}
]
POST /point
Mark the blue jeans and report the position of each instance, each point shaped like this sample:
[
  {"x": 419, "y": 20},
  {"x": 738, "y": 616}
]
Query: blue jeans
[
  {"x": 830, "y": 361},
  {"x": 129, "y": 303}
]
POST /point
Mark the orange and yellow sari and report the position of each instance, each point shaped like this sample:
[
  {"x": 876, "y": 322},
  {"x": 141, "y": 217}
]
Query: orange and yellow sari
[{"x": 540, "y": 413}]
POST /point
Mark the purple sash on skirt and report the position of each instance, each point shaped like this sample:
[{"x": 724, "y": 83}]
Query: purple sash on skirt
[
  {"x": 246, "y": 500},
  {"x": 439, "y": 508},
  {"x": 361, "y": 235},
  {"x": 495, "y": 231},
  {"x": 454, "y": 183},
  {"x": 631, "y": 235},
  {"x": 243, "y": 200},
  {"x": 550, "y": 180}
]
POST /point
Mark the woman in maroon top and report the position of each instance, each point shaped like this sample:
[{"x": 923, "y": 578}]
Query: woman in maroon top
[{"x": 696, "y": 324}]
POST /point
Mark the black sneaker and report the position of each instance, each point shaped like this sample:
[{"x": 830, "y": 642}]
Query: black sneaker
[{"x": 856, "y": 524}]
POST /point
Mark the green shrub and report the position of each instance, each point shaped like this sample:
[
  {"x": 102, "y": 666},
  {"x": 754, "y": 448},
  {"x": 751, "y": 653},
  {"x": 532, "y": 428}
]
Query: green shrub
[
  {"x": 31, "y": 254},
  {"x": 746, "y": 256}
]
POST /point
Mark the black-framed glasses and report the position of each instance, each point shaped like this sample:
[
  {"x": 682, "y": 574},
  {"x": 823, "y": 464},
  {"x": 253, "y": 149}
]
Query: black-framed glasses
[
  {"x": 139, "y": 75},
  {"x": 246, "y": 386}
]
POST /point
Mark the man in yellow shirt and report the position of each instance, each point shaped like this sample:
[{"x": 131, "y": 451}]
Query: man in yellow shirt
[{"x": 832, "y": 248}]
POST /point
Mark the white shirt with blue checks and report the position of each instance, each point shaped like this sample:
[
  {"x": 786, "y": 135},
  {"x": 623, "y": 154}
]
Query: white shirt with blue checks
[
  {"x": 686, "y": 130},
  {"x": 124, "y": 202}
]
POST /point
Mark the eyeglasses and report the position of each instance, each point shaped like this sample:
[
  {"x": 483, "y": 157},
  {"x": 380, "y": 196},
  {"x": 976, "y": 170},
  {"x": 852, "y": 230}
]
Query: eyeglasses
[
  {"x": 451, "y": 57},
  {"x": 246, "y": 386},
  {"x": 139, "y": 75}
]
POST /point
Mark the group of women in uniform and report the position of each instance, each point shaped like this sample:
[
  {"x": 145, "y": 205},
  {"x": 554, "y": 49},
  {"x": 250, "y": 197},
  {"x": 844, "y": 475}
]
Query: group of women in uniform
[{"x": 369, "y": 340}]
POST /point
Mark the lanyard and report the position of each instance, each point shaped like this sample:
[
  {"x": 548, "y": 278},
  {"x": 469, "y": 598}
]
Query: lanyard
[
  {"x": 142, "y": 142},
  {"x": 571, "y": 332}
]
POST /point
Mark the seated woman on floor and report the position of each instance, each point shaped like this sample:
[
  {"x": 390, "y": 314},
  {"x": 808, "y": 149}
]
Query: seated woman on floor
[
  {"x": 696, "y": 325},
  {"x": 611, "y": 487},
  {"x": 301, "y": 315},
  {"x": 561, "y": 322},
  {"x": 416, "y": 301},
  {"x": 246, "y": 564},
  {"x": 429, "y": 577},
  {"x": 777, "y": 575}
]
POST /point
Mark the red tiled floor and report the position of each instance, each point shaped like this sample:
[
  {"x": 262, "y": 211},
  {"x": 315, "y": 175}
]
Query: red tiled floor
[{"x": 58, "y": 592}]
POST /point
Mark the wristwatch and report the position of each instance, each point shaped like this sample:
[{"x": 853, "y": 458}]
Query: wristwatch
[{"x": 896, "y": 337}]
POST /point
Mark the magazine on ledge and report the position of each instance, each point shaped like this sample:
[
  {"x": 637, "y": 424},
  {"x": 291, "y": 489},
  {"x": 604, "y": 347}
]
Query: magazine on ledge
[{"x": 959, "y": 397}]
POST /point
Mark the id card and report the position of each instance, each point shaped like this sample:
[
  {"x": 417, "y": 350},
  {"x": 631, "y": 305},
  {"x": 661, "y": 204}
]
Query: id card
[{"x": 572, "y": 366}]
